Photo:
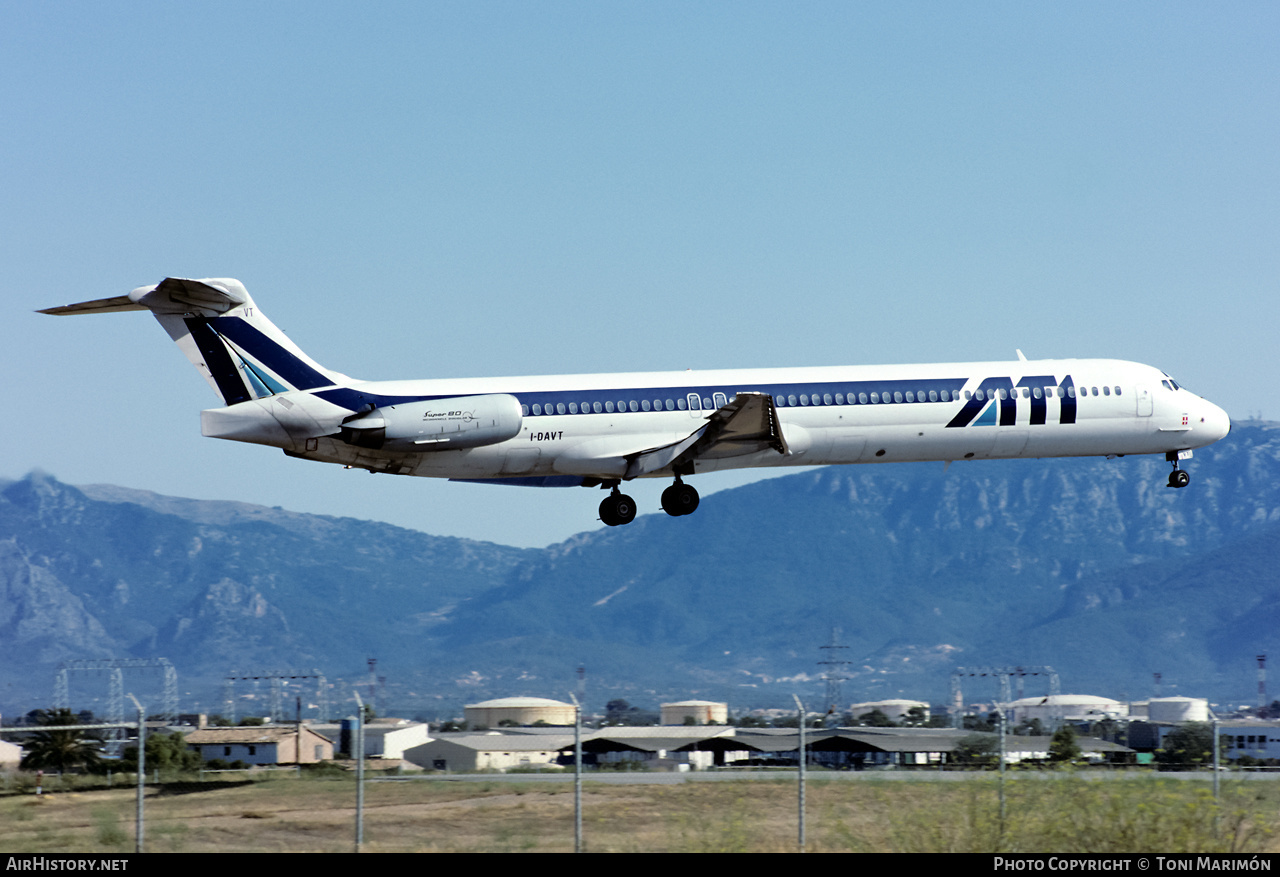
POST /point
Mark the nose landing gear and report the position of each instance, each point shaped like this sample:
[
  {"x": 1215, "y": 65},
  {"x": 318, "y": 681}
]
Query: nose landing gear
[{"x": 1178, "y": 477}]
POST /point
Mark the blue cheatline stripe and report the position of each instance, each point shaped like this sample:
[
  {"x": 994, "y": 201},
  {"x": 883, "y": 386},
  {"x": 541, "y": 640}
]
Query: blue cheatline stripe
[
  {"x": 887, "y": 392},
  {"x": 225, "y": 373},
  {"x": 530, "y": 481},
  {"x": 290, "y": 369}
]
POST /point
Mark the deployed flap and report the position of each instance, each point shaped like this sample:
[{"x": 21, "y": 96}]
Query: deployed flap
[{"x": 746, "y": 425}]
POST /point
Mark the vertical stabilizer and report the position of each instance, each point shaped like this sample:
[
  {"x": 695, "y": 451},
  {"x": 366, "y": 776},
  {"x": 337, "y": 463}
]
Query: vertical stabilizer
[{"x": 217, "y": 326}]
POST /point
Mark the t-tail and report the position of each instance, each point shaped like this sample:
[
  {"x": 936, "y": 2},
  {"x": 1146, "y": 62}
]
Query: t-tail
[
  {"x": 261, "y": 376},
  {"x": 217, "y": 326}
]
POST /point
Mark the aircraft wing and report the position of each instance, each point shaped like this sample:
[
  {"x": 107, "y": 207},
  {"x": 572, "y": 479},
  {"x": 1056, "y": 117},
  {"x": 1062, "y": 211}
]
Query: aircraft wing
[{"x": 746, "y": 425}]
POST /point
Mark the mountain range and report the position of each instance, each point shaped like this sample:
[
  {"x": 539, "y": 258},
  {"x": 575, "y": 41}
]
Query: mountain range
[{"x": 904, "y": 572}]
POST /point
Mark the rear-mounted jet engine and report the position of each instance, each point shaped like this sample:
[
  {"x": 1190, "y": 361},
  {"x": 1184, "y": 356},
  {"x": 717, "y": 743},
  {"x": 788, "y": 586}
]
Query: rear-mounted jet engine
[{"x": 436, "y": 424}]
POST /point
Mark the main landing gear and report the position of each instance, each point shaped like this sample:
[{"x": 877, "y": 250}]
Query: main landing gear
[
  {"x": 617, "y": 508},
  {"x": 1178, "y": 477},
  {"x": 679, "y": 499}
]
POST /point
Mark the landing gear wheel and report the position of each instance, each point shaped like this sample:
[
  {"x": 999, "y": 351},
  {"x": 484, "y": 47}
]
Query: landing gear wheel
[
  {"x": 1179, "y": 478},
  {"x": 679, "y": 499},
  {"x": 617, "y": 509}
]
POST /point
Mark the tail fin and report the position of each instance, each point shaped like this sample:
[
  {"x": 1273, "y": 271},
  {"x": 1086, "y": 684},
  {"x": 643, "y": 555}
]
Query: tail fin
[{"x": 218, "y": 327}]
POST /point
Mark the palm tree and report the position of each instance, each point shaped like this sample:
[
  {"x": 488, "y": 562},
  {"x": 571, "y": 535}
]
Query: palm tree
[{"x": 59, "y": 750}]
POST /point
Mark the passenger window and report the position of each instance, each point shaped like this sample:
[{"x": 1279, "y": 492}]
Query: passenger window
[
  {"x": 644, "y": 403},
  {"x": 875, "y": 398},
  {"x": 1117, "y": 391},
  {"x": 524, "y": 410},
  {"x": 1106, "y": 391},
  {"x": 911, "y": 397},
  {"x": 560, "y": 408},
  {"x": 897, "y": 397},
  {"x": 933, "y": 395},
  {"x": 595, "y": 406},
  {"x": 573, "y": 407},
  {"x": 945, "y": 396},
  {"x": 804, "y": 400},
  {"x": 791, "y": 400},
  {"x": 721, "y": 401},
  {"x": 537, "y": 409},
  {"x": 706, "y": 403},
  {"x": 608, "y": 407},
  {"x": 826, "y": 399},
  {"x": 671, "y": 406},
  {"x": 1036, "y": 392},
  {"x": 680, "y": 403},
  {"x": 633, "y": 405}
]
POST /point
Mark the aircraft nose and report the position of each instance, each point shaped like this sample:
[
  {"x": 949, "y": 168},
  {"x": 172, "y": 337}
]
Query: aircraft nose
[{"x": 1216, "y": 423}]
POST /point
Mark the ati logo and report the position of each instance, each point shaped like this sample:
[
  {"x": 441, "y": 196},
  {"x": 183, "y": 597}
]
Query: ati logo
[{"x": 999, "y": 397}]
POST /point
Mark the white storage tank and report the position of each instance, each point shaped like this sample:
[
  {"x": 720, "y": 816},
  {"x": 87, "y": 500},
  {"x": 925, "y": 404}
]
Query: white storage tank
[
  {"x": 702, "y": 712},
  {"x": 520, "y": 711},
  {"x": 1175, "y": 710}
]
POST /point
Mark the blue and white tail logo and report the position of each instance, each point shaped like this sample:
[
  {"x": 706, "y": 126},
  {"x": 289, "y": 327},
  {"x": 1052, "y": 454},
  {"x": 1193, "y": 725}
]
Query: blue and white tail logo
[{"x": 244, "y": 363}]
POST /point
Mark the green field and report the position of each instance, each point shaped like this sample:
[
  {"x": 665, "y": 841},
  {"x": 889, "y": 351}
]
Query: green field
[{"x": 1068, "y": 813}]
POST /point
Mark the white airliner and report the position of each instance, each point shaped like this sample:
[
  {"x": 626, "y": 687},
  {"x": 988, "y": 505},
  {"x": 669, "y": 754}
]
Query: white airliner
[{"x": 603, "y": 430}]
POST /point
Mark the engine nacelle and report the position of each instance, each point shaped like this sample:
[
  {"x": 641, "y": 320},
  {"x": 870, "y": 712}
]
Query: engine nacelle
[{"x": 437, "y": 424}]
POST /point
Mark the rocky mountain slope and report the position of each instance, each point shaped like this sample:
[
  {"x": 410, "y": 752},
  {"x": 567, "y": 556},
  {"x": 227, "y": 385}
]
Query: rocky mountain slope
[{"x": 1092, "y": 566}]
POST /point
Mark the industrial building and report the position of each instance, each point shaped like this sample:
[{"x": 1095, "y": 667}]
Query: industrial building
[{"x": 493, "y": 751}]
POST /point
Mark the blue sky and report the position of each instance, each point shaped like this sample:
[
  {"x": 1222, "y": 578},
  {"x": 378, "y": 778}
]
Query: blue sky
[{"x": 457, "y": 189}]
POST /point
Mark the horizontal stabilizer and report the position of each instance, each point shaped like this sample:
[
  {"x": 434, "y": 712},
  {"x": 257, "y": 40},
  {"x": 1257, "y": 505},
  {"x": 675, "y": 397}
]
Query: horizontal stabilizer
[{"x": 97, "y": 306}]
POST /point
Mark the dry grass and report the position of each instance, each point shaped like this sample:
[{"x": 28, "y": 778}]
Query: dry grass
[{"x": 317, "y": 815}]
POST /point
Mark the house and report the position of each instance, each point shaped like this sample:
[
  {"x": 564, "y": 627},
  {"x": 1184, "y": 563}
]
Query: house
[
  {"x": 10, "y": 754},
  {"x": 262, "y": 745}
]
